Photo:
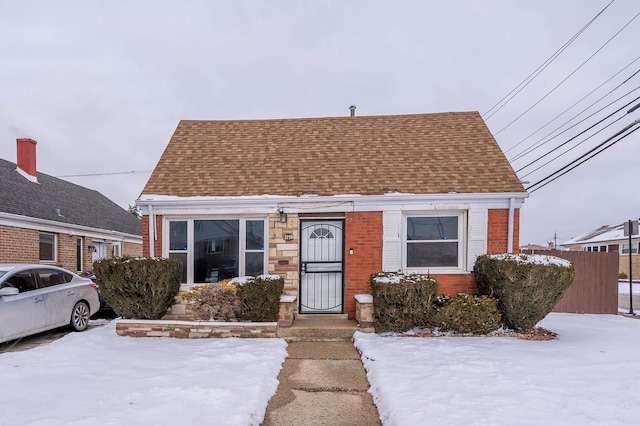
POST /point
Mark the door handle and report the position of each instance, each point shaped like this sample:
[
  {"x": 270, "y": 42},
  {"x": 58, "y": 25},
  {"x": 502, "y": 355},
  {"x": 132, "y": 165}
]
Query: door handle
[
  {"x": 303, "y": 268},
  {"x": 70, "y": 292},
  {"x": 38, "y": 299}
]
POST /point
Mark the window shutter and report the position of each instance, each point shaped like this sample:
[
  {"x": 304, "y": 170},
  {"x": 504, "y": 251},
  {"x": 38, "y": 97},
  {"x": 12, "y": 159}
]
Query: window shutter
[
  {"x": 477, "y": 244},
  {"x": 391, "y": 241}
]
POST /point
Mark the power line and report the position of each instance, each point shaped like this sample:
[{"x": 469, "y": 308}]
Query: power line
[
  {"x": 524, "y": 83},
  {"x": 576, "y": 103},
  {"x": 546, "y": 139},
  {"x": 108, "y": 174},
  {"x": 589, "y": 155},
  {"x": 568, "y": 76},
  {"x": 579, "y": 134}
]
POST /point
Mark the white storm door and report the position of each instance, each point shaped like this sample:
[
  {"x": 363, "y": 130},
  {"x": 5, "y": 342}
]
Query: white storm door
[{"x": 321, "y": 266}]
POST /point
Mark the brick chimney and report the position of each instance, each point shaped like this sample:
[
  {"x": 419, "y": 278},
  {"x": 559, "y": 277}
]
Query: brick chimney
[{"x": 27, "y": 158}]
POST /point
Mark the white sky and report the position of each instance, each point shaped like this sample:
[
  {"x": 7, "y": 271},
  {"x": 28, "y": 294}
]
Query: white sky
[
  {"x": 102, "y": 85},
  {"x": 589, "y": 375}
]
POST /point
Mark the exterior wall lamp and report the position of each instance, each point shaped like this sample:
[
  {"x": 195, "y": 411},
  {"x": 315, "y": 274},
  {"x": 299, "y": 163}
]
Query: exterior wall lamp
[
  {"x": 92, "y": 249},
  {"x": 283, "y": 216}
]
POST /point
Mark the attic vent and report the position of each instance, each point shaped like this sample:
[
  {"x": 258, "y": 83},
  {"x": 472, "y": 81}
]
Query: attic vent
[{"x": 352, "y": 108}]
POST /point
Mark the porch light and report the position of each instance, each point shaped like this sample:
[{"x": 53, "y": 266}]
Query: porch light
[{"x": 283, "y": 216}]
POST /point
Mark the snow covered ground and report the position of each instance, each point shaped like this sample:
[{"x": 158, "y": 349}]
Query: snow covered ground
[
  {"x": 99, "y": 378},
  {"x": 623, "y": 287},
  {"x": 589, "y": 375}
]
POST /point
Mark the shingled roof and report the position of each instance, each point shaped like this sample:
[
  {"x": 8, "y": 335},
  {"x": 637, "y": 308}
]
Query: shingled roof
[
  {"x": 77, "y": 205},
  {"x": 374, "y": 155}
]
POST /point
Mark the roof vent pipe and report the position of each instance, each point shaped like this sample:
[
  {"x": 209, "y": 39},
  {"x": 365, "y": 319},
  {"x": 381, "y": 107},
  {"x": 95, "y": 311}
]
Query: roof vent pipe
[{"x": 352, "y": 108}]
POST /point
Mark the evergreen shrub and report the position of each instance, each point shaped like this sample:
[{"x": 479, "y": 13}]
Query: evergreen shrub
[
  {"x": 527, "y": 286},
  {"x": 402, "y": 302},
  {"x": 139, "y": 288},
  {"x": 466, "y": 313},
  {"x": 259, "y": 298}
]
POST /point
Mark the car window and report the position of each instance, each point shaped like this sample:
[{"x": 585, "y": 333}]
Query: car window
[
  {"x": 49, "y": 277},
  {"x": 23, "y": 281},
  {"x": 2, "y": 273}
]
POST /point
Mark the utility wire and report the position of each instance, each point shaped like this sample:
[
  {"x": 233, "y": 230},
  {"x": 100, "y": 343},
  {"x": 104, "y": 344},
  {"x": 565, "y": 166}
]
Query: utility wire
[
  {"x": 585, "y": 160},
  {"x": 524, "y": 83},
  {"x": 576, "y": 103},
  {"x": 567, "y": 77},
  {"x": 575, "y": 163},
  {"x": 572, "y": 148},
  {"x": 543, "y": 141},
  {"x": 108, "y": 174},
  {"x": 579, "y": 134}
]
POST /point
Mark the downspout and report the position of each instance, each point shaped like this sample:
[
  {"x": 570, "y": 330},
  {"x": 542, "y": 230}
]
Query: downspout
[
  {"x": 511, "y": 223},
  {"x": 152, "y": 232}
]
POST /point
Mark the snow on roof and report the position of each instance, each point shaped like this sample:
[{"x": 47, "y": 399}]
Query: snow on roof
[{"x": 604, "y": 233}]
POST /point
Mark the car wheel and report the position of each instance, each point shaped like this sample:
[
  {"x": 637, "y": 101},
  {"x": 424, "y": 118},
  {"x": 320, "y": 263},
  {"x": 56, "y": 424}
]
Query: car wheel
[{"x": 80, "y": 316}]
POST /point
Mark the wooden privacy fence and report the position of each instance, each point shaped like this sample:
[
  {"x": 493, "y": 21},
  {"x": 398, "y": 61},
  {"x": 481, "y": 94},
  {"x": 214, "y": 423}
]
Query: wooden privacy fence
[{"x": 595, "y": 286}]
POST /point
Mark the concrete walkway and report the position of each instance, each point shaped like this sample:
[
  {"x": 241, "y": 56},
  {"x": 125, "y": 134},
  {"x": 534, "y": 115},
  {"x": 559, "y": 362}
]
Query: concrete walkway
[{"x": 322, "y": 382}]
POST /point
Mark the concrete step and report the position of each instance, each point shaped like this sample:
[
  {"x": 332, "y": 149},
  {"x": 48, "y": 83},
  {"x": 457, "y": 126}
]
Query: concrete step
[{"x": 320, "y": 328}]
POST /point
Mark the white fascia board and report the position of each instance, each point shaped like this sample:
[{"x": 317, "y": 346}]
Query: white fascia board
[
  {"x": 265, "y": 204},
  {"x": 44, "y": 225}
]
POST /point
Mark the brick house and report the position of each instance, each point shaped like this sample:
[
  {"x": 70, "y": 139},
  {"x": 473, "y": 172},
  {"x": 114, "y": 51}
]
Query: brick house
[
  {"x": 51, "y": 221},
  {"x": 325, "y": 202},
  {"x": 610, "y": 238}
]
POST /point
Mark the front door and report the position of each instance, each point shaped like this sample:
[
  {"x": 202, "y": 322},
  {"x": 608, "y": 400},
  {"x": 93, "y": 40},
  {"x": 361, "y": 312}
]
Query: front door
[{"x": 321, "y": 266}]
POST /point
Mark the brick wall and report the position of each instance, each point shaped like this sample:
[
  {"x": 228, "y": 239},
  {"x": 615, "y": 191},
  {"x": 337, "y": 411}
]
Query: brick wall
[
  {"x": 131, "y": 249},
  {"x": 635, "y": 265},
  {"x": 498, "y": 230},
  {"x": 157, "y": 244},
  {"x": 363, "y": 233},
  {"x": 19, "y": 245}
]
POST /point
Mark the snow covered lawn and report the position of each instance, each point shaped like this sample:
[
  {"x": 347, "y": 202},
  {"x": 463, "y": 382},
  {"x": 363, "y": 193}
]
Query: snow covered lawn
[
  {"x": 99, "y": 378},
  {"x": 589, "y": 375}
]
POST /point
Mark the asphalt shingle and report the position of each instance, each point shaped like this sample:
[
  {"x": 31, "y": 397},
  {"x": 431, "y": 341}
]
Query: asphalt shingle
[
  {"x": 420, "y": 154},
  {"x": 77, "y": 205}
]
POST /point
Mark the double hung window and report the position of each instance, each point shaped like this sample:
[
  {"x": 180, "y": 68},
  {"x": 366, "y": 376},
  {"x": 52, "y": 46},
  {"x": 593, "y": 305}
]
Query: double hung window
[{"x": 434, "y": 241}]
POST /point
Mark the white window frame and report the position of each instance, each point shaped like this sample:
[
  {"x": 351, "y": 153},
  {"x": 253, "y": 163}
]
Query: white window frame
[
  {"x": 242, "y": 242},
  {"x": 55, "y": 248},
  {"x": 624, "y": 248},
  {"x": 462, "y": 242}
]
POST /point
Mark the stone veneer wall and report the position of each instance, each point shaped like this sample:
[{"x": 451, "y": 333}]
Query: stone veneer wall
[
  {"x": 283, "y": 253},
  {"x": 194, "y": 329}
]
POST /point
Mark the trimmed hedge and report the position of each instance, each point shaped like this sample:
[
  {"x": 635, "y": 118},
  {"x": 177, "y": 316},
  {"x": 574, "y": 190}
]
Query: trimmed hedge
[
  {"x": 259, "y": 298},
  {"x": 402, "y": 302},
  {"x": 465, "y": 313},
  {"x": 527, "y": 286},
  {"x": 139, "y": 288}
]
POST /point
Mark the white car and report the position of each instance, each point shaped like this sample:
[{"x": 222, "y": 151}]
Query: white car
[{"x": 36, "y": 298}]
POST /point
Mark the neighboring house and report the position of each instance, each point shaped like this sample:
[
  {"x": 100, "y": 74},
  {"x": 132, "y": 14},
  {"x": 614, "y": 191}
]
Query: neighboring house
[
  {"x": 610, "y": 238},
  {"x": 536, "y": 248},
  {"x": 51, "y": 221},
  {"x": 325, "y": 202}
]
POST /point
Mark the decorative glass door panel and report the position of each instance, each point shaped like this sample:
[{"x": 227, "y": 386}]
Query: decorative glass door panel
[{"x": 321, "y": 266}]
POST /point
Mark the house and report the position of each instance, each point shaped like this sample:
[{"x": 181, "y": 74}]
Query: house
[
  {"x": 325, "y": 202},
  {"x": 610, "y": 238},
  {"x": 536, "y": 248},
  {"x": 51, "y": 221}
]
